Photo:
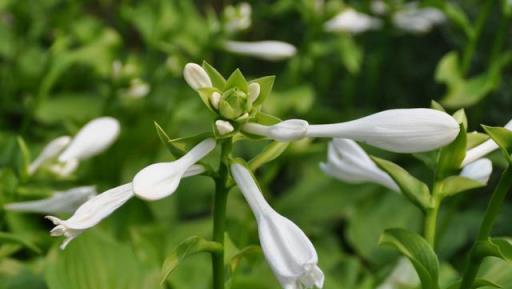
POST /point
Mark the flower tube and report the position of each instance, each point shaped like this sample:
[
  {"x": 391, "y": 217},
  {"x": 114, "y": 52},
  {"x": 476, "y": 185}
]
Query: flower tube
[
  {"x": 287, "y": 249},
  {"x": 351, "y": 21},
  {"x": 50, "y": 151},
  {"x": 159, "y": 180},
  {"x": 479, "y": 170},
  {"x": 60, "y": 202},
  {"x": 268, "y": 50},
  {"x": 482, "y": 149}
]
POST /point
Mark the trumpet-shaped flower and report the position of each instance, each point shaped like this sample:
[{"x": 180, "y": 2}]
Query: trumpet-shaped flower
[
  {"x": 287, "y": 249},
  {"x": 50, "y": 151},
  {"x": 479, "y": 170},
  {"x": 418, "y": 20},
  {"x": 482, "y": 149},
  {"x": 268, "y": 50},
  {"x": 196, "y": 76},
  {"x": 60, "y": 202},
  {"x": 159, "y": 180},
  {"x": 348, "y": 162},
  {"x": 94, "y": 138},
  {"x": 396, "y": 130},
  {"x": 351, "y": 21}
]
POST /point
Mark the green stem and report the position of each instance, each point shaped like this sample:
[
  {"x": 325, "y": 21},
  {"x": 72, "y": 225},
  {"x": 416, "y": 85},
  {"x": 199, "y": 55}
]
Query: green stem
[
  {"x": 493, "y": 209},
  {"x": 469, "y": 51},
  {"x": 430, "y": 225},
  {"x": 219, "y": 215}
]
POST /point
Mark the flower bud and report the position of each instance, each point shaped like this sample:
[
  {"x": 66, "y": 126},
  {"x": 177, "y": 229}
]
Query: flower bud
[
  {"x": 268, "y": 50},
  {"x": 196, "y": 76},
  {"x": 254, "y": 91},
  {"x": 479, "y": 170},
  {"x": 234, "y": 103},
  {"x": 215, "y": 99},
  {"x": 224, "y": 127}
]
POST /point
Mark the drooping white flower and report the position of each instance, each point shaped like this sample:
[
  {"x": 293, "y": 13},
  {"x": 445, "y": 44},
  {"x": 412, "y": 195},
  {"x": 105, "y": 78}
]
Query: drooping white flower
[
  {"x": 238, "y": 17},
  {"x": 224, "y": 127},
  {"x": 196, "y": 76},
  {"x": 94, "y": 138},
  {"x": 351, "y": 21},
  {"x": 348, "y": 162},
  {"x": 482, "y": 149},
  {"x": 91, "y": 213},
  {"x": 396, "y": 130},
  {"x": 268, "y": 50},
  {"x": 403, "y": 275},
  {"x": 60, "y": 202},
  {"x": 479, "y": 170},
  {"x": 50, "y": 151},
  {"x": 289, "y": 252},
  {"x": 418, "y": 20},
  {"x": 159, "y": 180}
]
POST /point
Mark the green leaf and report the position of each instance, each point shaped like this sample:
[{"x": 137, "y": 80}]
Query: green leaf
[
  {"x": 266, "y": 83},
  {"x": 503, "y": 137},
  {"x": 269, "y": 153},
  {"x": 181, "y": 146},
  {"x": 217, "y": 79},
  {"x": 419, "y": 251},
  {"x": 437, "y": 106},
  {"x": 164, "y": 138},
  {"x": 456, "y": 184},
  {"x": 266, "y": 119},
  {"x": 205, "y": 94},
  {"x": 237, "y": 80},
  {"x": 474, "y": 139},
  {"x": 25, "y": 156},
  {"x": 495, "y": 247},
  {"x": 415, "y": 190},
  {"x": 16, "y": 239},
  {"x": 461, "y": 118},
  {"x": 451, "y": 156},
  {"x": 477, "y": 284},
  {"x": 189, "y": 247}
]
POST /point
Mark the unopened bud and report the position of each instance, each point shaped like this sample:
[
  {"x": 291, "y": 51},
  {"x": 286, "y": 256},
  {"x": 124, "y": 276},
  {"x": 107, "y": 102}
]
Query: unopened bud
[
  {"x": 224, "y": 127},
  {"x": 254, "y": 91},
  {"x": 215, "y": 99},
  {"x": 196, "y": 76}
]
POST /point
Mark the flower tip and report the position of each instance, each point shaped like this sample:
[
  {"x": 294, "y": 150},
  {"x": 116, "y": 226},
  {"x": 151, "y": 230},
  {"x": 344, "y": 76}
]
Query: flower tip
[
  {"x": 254, "y": 91},
  {"x": 289, "y": 130},
  {"x": 224, "y": 127},
  {"x": 196, "y": 76}
]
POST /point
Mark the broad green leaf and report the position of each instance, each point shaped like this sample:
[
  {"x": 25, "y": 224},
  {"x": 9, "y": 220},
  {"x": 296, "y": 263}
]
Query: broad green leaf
[
  {"x": 189, "y": 247},
  {"x": 496, "y": 247},
  {"x": 415, "y": 190},
  {"x": 217, "y": 79},
  {"x": 456, "y": 184},
  {"x": 503, "y": 137},
  {"x": 269, "y": 153},
  {"x": 266, "y": 83},
  {"x": 451, "y": 156},
  {"x": 236, "y": 80},
  {"x": 6, "y": 237},
  {"x": 421, "y": 254}
]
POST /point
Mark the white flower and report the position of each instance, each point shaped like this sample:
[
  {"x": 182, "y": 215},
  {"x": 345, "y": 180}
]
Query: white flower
[
  {"x": 418, "y": 20},
  {"x": 138, "y": 89},
  {"x": 348, "y": 162},
  {"x": 396, "y": 130},
  {"x": 215, "y": 99},
  {"x": 94, "y": 138},
  {"x": 479, "y": 170},
  {"x": 50, "y": 151},
  {"x": 159, "y": 180},
  {"x": 254, "y": 91},
  {"x": 287, "y": 249},
  {"x": 237, "y": 18},
  {"x": 268, "y": 50},
  {"x": 91, "y": 213},
  {"x": 403, "y": 275},
  {"x": 224, "y": 127},
  {"x": 379, "y": 7},
  {"x": 482, "y": 149},
  {"x": 64, "y": 169},
  {"x": 351, "y": 21},
  {"x": 196, "y": 76},
  {"x": 60, "y": 202}
]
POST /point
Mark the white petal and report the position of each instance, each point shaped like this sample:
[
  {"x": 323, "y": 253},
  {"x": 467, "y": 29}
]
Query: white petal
[
  {"x": 268, "y": 50},
  {"x": 64, "y": 169},
  {"x": 482, "y": 149},
  {"x": 403, "y": 275},
  {"x": 418, "y": 20},
  {"x": 215, "y": 99},
  {"x": 397, "y": 130},
  {"x": 288, "y": 130},
  {"x": 224, "y": 127},
  {"x": 50, "y": 151},
  {"x": 250, "y": 190},
  {"x": 254, "y": 91},
  {"x": 159, "y": 180},
  {"x": 479, "y": 170},
  {"x": 196, "y": 76},
  {"x": 60, "y": 202},
  {"x": 194, "y": 170},
  {"x": 352, "y": 21},
  {"x": 91, "y": 213},
  {"x": 95, "y": 137}
]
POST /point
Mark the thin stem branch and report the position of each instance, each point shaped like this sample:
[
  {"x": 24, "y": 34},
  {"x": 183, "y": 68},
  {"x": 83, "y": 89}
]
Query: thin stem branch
[{"x": 430, "y": 225}]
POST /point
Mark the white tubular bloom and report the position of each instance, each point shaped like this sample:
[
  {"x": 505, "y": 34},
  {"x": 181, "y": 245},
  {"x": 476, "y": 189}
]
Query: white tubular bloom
[
  {"x": 351, "y": 21},
  {"x": 482, "y": 149},
  {"x": 224, "y": 127},
  {"x": 60, "y": 202},
  {"x": 479, "y": 170},
  {"x": 348, "y": 162},
  {"x": 268, "y": 50},
  {"x": 418, "y": 20},
  {"x": 160, "y": 180},
  {"x": 50, "y": 151},
  {"x": 91, "y": 213},
  {"x": 288, "y": 130},
  {"x": 196, "y": 76},
  {"x": 289, "y": 252},
  {"x": 403, "y": 275},
  {"x": 396, "y": 130},
  {"x": 94, "y": 138}
]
